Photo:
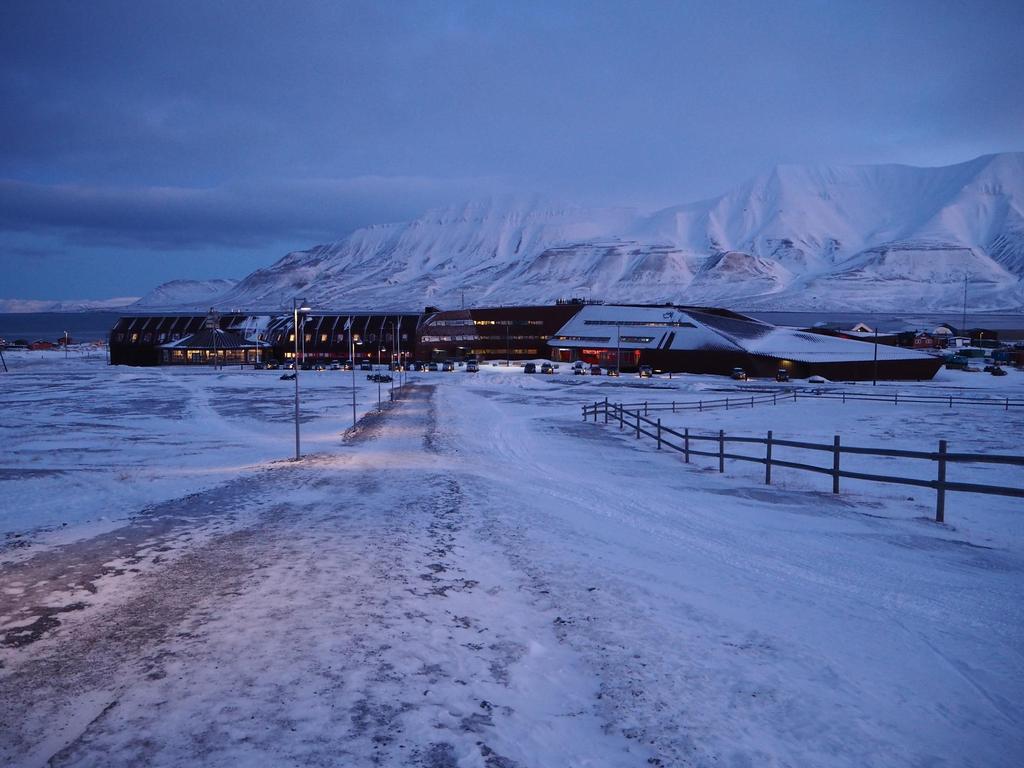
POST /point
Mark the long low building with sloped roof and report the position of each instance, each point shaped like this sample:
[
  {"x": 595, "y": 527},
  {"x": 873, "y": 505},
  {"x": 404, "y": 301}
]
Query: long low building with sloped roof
[{"x": 708, "y": 340}]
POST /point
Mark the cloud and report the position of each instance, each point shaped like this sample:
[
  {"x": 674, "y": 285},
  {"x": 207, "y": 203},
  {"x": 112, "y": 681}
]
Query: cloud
[{"x": 305, "y": 211}]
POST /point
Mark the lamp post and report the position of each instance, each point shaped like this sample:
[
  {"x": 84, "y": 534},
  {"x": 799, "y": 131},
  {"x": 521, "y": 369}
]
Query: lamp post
[
  {"x": 874, "y": 383},
  {"x": 352, "y": 359},
  {"x": 65, "y": 345},
  {"x": 295, "y": 311},
  {"x": 618, "y": 349},
  {"x": 396, "y": 368}
]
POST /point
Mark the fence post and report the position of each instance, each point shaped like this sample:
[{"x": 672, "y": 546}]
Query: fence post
[
  {"x": 622, "y": 417},
  {"x": 700, "y": 405},
  {"x": 1007, "y": 405},
  {"x": 940, "y": 486},
  {"x": 673, "y": 406},
  {"x": 835, "y": 465},
  {"x": 794, "y": 395},
  {"x": 896, "y": 398},
  {"x": 844, "y": 397},
  {"x": 659, "y": 434},
  {"x": 768, "y": 460},
  {"x": 606, "y": 410},
  {"x": 721, "y": 450},
  {"x": 950, "y": 401},
  {"x": 727, "y": 403},
  {"x": 584, "y": 413},
  {"x": 637, "y": 423},
  {"x": 775, "y": 396},
  {"x": 751, "y": 401},
  {"x": 686, "y": 444},
  {"x": 596, "y": 408},
  {"x": 646, "y": 414}
]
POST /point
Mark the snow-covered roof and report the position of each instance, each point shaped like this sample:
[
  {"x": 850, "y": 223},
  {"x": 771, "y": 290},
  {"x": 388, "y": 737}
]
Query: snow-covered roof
[{"x": 677, "y": 328}]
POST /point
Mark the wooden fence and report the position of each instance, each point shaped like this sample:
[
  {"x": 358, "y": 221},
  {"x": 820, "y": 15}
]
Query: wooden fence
[
  {"x": 792, "y": 396},
  {"x": 643, "y": 426}
]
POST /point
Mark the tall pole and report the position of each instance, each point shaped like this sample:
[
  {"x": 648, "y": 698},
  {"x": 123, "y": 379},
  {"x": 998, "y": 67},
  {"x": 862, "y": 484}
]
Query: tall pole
[
  {"x": 875, "y": 381},
  {"x": 963, "y": 319},
  {"x": 618, "y": 348},
  {"x": 352, "y": 359},
  {"x": 295, "y": 320},
  {"x": 395, "y": 369},
  {"x": 65, "y": 345},
  {"x": 380, "y": 350},
  {"x": 508, "y": 343}
]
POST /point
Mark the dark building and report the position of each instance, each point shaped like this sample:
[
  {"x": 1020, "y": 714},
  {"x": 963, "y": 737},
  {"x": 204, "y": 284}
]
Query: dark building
[
  {"x": 137, "y": 339},
  {"x": 507, "y": 333},
  {"x": 374, "y": 336}
]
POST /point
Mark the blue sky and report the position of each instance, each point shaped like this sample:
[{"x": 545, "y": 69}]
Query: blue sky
[{"x": 141, "y": 142}]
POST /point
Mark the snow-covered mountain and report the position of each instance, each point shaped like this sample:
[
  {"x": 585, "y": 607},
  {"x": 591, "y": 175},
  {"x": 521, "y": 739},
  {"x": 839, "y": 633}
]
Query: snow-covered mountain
[
  {"x": 190, "y": 294},
  {"x": 22, "y": 306},
  {"x": 878, "y": 237}
]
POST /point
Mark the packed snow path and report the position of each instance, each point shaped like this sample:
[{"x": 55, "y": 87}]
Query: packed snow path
[
  {"x": 479, "y": 579},
  {"x": 349, "y": 621}
]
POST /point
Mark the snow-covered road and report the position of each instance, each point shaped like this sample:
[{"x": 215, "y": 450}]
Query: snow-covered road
[
  {"x": 344, "y": 617},
  {"x": 477, "y": 578}
]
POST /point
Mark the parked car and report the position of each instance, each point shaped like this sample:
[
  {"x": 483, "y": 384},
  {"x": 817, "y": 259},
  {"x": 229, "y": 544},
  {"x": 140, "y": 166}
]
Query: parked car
[
  {"x": 379, "y": 378},
  {"x": 739, "y": 374},
  {"x": 335, "y": 365},
  {"x": 782, "y": 375},
  {"x": 817, "y": 379},
  {"x": 472, "y": 367},
  {"x": 956, "y": 363},
  {"x": 595, "y": 370},
  {"x": 645, "y": 372},
  {"x": 547, "y": 368},
  {"x": 530, "y": 368},
  {"x": 447, "y": 366},
  {"x": 307, "y": 365},
  {"x": 432, "y": 367},
  {"x": 271, "y": 365},
  {"x": 613, "y": 371},
  {"x": 319, "y": 367},
  {"x": 348, "y": 365},
  {"x": 998, "y": 370},
  {"x": 366, "y": 365},
  {"x": 289, "y": 366}
]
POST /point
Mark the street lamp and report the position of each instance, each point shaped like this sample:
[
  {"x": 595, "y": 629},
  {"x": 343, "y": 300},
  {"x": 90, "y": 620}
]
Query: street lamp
[
  {"x": 65, "y": 345},
  {"x": 618, "y": 349},
  {"x": 295, "y": 311},
  {"x": 874, "y": 382}
]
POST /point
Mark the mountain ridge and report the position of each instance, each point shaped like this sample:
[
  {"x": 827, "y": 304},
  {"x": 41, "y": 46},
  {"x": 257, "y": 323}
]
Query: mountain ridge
[{"x": 862, "y": 237}]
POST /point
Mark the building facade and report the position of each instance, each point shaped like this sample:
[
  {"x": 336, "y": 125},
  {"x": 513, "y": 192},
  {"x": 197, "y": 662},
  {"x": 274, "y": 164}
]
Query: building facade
[
  {"x": 711, "y": 340},
  {"x": 359, "y": 336},
  {"x": 506, "y": 333}
]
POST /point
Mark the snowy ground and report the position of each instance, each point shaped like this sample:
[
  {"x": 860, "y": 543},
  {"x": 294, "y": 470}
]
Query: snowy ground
[
  {"x": 475, "y": 577},
  {"x": 87, "y": 444}
]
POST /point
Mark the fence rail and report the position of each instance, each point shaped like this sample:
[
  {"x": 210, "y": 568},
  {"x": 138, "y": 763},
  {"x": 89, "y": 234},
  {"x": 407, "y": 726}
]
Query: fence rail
[
  {"x": 791, "y": 396},
  {"x": 642, "y": 425}
]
